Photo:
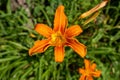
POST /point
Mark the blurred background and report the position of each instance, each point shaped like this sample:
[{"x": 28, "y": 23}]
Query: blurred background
[{"x": 17, "y": 35}]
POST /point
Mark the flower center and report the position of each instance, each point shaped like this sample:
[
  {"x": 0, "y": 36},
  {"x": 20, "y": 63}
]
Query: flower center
[
  {"x": 87, "y": 72},
  {"x": 57, "y": 39}
]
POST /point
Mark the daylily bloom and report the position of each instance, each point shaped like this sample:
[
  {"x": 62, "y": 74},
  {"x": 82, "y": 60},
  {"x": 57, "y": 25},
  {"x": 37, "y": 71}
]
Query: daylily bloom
[
  {"x": 89, "y": 71},
  {"x": 58, "y": 37}
]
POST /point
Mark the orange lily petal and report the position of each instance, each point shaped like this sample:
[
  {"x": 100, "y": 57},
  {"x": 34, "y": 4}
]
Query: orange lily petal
[
  {"x": 77, "y": 47},
  {"x": 59, "y": 53},
  {"x": 60, "y": 20},
  {"x": 82, "y": 77},
  {"x": 73, "y": 31},
  {"x": 89, "y": 78},
  {"x": 43, "y": 30},
  {"x": 82, "y": 71},
  {"x": 39, "y": 46},
  {"x": 93, "y": 66},
  {"x": 96, "y": 73},
  {"x": 87, "y": 64}
]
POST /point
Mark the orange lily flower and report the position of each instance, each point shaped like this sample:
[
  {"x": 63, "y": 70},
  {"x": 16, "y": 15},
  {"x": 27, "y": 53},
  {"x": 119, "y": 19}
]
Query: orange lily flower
[
  {"x": 59, "y": 36},
  {"x": 89, "y": 71}
]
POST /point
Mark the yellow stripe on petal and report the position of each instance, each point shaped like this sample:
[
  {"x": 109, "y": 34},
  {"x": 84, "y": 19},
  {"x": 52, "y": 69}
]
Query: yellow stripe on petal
[
  {"x": 59, "y": 53},
  {"x": 60, "y": 20},
  {"x": 43, "y": 30},
  {"x": 73, "y": 31}
]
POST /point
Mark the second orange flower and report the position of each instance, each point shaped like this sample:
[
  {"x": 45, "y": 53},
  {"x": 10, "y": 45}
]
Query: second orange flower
[{"x": 59, "y": 37}]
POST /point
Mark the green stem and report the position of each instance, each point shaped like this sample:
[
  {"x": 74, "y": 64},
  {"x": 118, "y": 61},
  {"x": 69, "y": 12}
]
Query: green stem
[{"x": 47, "y": 18}]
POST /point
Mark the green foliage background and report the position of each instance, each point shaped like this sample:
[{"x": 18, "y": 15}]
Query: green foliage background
[{"x": 102, "y": 38}]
